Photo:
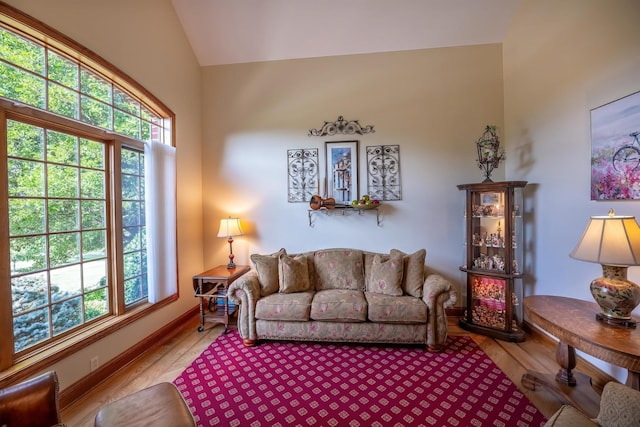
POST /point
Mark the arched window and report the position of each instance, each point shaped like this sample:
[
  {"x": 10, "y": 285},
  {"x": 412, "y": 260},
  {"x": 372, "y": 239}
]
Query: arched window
[{"x": 80, "y": 144}]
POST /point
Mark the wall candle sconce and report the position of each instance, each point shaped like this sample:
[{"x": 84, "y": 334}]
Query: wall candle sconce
[{"x": 230, "y": 227}]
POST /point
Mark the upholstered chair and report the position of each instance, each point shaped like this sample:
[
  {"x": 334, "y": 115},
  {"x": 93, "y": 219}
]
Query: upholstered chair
[
  {"x": 31, "y": 403},
  {"x": 619, "y": 407}
]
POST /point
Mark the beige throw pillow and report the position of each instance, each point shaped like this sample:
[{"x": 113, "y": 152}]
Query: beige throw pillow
[
  {"x": 267, "y": 268},
  {"x": 413, "y": 279},
  {"x": 293, "y": 274},
  {"x": 386, "y": 276}
]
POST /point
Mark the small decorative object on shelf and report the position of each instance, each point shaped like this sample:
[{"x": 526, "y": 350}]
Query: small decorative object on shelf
[
  {"x": 318, "y": 202},
  {"x": 493, "y": 254},
  {"x": 365, "y": 202},
  {"x": 356, "y": 208},
  {"x": 489, "y": 152}
]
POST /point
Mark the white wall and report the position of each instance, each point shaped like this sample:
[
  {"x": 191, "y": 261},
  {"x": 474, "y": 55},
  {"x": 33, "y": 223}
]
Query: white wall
[
  {"x": 562, "y": 59},
  {"x": 433, "y": 103},
  {"x": 145, "y": 40}
]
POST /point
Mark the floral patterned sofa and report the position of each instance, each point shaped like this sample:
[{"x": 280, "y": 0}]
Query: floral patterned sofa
[{"x": 343, "y": 295}]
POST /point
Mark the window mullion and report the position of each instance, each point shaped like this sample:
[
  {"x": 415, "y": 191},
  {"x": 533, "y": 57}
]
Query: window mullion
[
  {"x": 116, "y": 228},
  {"x": 6, "y": 318}
]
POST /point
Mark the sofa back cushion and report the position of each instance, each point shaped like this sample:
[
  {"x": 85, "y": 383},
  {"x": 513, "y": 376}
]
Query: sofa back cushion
[
  {"x": 413, "y": 277},
  {"x": 339, "y": 269},
  {"x": 267, "y": 268}
]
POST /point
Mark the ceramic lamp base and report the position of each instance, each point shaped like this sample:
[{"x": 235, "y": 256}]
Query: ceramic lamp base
[
  {"x": 616, "y": 296},
  {"x": 614, "y": 321}
]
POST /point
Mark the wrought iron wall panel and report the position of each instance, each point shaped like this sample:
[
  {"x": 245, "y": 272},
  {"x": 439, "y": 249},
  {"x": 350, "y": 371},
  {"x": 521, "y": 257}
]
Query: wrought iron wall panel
[
  {"x": 383, "y": 172},
  {"x": 302, "y": 166}
]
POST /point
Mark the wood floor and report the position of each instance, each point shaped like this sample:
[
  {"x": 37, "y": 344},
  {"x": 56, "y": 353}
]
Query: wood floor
[{"x": 168, "y": 361}]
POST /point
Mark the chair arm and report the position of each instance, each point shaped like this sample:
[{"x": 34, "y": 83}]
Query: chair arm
[
  {"x": 245, "y": 292},
  {"x": 438, "y": 294},
  {"x": 33, "y": 402}
]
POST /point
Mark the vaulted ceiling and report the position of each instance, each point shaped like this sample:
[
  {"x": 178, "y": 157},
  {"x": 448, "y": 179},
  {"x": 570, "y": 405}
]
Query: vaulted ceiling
[{"x": 239, "y": 31}]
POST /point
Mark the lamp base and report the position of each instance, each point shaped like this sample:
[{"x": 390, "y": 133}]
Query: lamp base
[
  {"x": 631, "y": 324},
  {"x": 616, "y": 296},
  {"x": 231, "y": 256}
]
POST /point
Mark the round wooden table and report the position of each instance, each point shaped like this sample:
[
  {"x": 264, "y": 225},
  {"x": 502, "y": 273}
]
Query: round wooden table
[{"x": 573, "y": 322}]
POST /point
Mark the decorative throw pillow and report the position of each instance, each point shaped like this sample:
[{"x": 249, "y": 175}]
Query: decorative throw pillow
[
  {"x": 267, "y": 268},
  {"x": 293, "y": 274},
  {"x": 386, "y": 276},
  {"x": 368, "y": 262},
  {"x": 413, "y": 279}
]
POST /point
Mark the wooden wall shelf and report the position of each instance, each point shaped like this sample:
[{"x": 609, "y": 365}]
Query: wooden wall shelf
[{"x": 346, "y": 211}]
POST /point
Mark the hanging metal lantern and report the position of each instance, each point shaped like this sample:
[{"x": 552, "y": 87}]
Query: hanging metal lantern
[{"x": 489, "y": 152}]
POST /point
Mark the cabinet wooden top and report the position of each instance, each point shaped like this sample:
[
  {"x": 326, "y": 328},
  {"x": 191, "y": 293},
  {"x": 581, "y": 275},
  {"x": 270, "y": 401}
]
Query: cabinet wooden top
[
  {"x": 573, "y": 322},
  {"x": 492, "y": 186},
  {"x": 221, "y": 272}
]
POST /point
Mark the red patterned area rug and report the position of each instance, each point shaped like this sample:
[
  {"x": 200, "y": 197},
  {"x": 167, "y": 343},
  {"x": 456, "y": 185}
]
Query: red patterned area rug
[{"x": 320, "y": 384}]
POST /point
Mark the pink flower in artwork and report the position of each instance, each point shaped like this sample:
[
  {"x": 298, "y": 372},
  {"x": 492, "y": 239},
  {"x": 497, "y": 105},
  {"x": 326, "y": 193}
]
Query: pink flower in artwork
[{"x": 609, "y": 183}]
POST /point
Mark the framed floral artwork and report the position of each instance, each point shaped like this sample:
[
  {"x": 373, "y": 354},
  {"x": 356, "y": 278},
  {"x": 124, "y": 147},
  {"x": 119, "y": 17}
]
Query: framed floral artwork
[
  {"x": 342, "y": 171},
  {"x": 615, "y": 150}
]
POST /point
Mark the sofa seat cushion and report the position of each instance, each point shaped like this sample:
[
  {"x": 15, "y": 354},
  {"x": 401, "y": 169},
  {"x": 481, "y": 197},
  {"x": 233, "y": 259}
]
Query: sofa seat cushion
[
  {"x": 294, "y": 306},
  {"x": 391, "y": 309},
  {"x": 339, "y": 269},
  {"x": 339, "y": 305}
]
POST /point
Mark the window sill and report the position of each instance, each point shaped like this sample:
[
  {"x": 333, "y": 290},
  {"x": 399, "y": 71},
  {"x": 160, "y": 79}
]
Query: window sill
[{"x": 43, "y": 358}]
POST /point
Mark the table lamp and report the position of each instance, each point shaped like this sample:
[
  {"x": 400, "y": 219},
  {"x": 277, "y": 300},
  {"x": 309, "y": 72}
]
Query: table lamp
[
  {"x": 230, "y": 227},
  {"x": 614, "y": 242}
]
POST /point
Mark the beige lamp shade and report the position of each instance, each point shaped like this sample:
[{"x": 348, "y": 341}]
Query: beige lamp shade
[
  {"x": 230, "y": 227},
  {"x": 610, "y": 240},
  {"x": 614, "y": 242}
]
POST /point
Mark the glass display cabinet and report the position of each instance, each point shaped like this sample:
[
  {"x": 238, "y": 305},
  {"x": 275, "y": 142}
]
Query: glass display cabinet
[{"x": 494, "y": 256}]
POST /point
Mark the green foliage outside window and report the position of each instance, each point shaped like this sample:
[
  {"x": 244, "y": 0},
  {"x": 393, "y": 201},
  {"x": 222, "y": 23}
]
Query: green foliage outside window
[
  {"x": 58, "y": 206},
  {"x": 58, "y": 189},
  {"x": 45, "y": 79}
]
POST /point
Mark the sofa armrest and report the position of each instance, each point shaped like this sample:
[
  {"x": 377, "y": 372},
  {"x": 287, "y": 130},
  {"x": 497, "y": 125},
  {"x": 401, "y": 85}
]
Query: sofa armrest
[
  {"x": 245, "y": 292},
  {"x": 438, "y": 294}
]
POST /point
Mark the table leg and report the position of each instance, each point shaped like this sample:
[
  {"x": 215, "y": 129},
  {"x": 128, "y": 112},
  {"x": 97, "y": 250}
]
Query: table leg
[
  {"x": 226, "y": 314},
  {"x": 201, "y": 327},
  {"x": 569, "y": 387},
  {"x": 633, "y": 380},
  {"x": 566, "y": 358}
]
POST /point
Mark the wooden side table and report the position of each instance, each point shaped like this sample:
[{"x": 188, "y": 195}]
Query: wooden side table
[
  {"x": 573, "y": 322},
  {"x": 211, "y": 286}
]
